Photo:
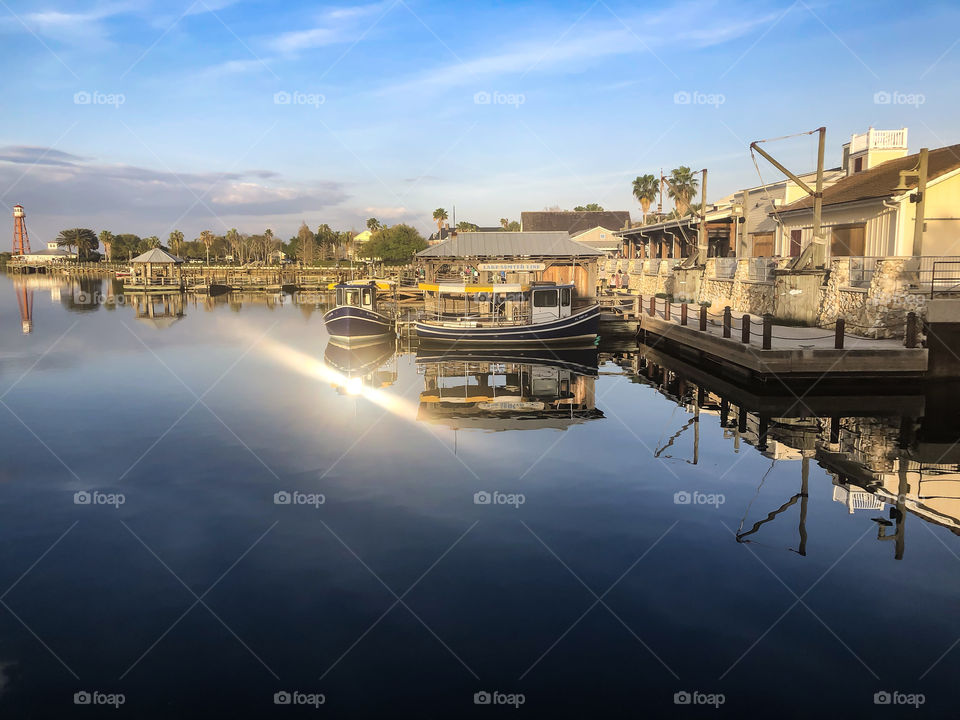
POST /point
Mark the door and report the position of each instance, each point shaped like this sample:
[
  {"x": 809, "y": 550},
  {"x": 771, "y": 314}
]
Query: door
[
  {"x": 546, "y": 305},
  {"x": 795, "y": 236},
  {"x": 762, "y": 244}
]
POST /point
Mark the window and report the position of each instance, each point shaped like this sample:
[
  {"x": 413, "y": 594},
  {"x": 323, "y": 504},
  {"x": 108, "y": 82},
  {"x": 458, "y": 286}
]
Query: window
[
  {"x": 351, "y": 297},
  {"x": 858, "y": 165},
  {"x": 565, "y": 297},
  {"x": 847, "y": 240},
  {"x": 367, "y": 296},
  {"x": 545, "y": 298}
]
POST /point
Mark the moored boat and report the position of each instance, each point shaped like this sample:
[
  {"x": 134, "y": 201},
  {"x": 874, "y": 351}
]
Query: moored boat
[
  {"x": 356, "y": 319},
  {"x": 518, "y": 315}
]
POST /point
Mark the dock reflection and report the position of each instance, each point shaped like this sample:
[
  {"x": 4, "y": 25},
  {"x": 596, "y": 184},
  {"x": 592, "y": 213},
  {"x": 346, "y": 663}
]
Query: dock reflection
[
  {"x": 508, "y": 390},
  {"x": 891, "y": 452}
]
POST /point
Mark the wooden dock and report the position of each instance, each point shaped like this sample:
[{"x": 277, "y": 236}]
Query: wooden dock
[{"x": 756, "y": 348}]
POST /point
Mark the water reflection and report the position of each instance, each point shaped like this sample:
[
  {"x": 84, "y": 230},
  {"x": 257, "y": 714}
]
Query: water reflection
[
  {"x": 886, "y": 449},
  {"x": 508, "y": 390}
]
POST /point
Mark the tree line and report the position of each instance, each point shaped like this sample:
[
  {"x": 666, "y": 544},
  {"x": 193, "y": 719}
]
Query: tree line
[{"x": 306, "y": 246}]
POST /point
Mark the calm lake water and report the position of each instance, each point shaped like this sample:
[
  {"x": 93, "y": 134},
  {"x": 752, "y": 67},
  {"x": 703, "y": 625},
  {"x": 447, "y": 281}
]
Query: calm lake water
[{"x": 205, "y": 504}]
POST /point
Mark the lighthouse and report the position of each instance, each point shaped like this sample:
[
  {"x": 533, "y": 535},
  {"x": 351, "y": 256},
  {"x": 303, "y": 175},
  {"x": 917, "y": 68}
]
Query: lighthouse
[{"x": 21, "y": 243}]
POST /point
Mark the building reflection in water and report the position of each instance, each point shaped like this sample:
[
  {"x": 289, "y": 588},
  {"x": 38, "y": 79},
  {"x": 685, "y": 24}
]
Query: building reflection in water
[
  {"x": 891, "y": 452},
  {"x": 504, "y": 390}
]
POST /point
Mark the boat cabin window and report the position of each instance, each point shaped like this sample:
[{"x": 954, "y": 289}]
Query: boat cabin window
[
  {"x": 348, "y": 296},
  {"x": 367, "y": 297},
  {"x": 544, "y": 298},
  {"x": 565, "y": 297}
]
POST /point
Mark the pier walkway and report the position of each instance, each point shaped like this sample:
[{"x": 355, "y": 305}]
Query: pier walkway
[{"x": 774, "y": 350}]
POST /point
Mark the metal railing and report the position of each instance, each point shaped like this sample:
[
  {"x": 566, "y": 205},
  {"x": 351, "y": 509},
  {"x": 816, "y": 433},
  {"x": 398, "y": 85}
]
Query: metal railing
[
  {"x": 760, "y": 269},
  {"x": 861, "y": 270},
  {"x": 725, "y": 268},
  {"x": 944, "y": 277}
]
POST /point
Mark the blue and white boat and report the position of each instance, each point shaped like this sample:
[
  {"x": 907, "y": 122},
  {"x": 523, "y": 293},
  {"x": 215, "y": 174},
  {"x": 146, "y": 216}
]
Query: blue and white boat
[
  {"x": 356, "y": 318},
  {"x": 515, "y": 315}
]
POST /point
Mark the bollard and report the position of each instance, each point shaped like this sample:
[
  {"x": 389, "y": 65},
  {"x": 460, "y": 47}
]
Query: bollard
[
  {"x": 745, "y": 330},
  {"x": 653, "y": 306},
  {"x": 838, "y": 334},
  {"x": 666, "y": 308},
  {"x": 767, "y": 330},
  {"x": 726, "y": 321},
  {"x": 910, "y": 337},
  {"x": 703, "y": 318},
  {"x": 683, "y": 314}
]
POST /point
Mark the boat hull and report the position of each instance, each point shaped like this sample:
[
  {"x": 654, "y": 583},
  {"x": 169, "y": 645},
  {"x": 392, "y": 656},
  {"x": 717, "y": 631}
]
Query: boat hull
[
  {"x": 579, "y": 327},
  {"x": 351, "y": 325}
]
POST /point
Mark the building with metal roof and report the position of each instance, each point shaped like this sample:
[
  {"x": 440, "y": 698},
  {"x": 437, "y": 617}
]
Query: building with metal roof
[{"x": 515, "y": 257}]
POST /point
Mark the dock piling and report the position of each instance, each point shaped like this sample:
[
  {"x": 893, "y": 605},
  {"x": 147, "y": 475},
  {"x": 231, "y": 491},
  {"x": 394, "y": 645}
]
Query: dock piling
[
  {"x": 910, "y": 335},
  {"x": 653, "y": 306},
  {"x": 666, "y": 308},
  {"x": 745, "y": 330},
  {"x": 838, "y": 334},
  {"x": 703, "y": 318},
  {"x": 727, "y": 319},
  {"x": 767, "y": 331},
  {"x": 683, "y": 313}
]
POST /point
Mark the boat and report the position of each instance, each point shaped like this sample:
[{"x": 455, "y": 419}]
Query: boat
[
  {"x": 505, "y": 314},
  {"x": 355, "y": 318},
  {"x": 583, "y": 360}
]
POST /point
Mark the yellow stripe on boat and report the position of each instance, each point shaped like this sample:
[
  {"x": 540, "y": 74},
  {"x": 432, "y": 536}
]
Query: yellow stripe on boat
[{"x": 464, "y": 289}]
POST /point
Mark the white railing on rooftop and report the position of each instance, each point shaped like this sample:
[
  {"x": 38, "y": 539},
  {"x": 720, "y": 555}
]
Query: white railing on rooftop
[{"x": 879, "y": 140}]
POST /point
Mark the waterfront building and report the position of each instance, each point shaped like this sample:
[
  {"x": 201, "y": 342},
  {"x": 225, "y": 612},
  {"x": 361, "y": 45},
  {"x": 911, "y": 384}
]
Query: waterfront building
[
  {"x": 514, "y": 257},
  {"x": 573, "y": 222},
  {"x": 599, "y": 238}
]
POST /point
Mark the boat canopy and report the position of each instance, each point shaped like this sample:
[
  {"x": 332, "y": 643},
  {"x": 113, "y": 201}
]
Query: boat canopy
[
  {"x": 452, "y": 289},
  {"x": 381, "y": 284}
]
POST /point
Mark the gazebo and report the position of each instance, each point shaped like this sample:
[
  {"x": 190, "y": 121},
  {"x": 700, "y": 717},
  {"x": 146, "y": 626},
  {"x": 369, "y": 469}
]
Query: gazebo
[{"x": 154, "y": 270}]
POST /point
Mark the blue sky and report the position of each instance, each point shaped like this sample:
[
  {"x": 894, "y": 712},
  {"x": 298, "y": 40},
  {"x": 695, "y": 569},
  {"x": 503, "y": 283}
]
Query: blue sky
[{"x": 141, "y": 115}]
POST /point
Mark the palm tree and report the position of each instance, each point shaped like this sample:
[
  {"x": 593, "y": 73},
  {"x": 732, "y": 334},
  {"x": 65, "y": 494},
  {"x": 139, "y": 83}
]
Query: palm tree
[
  {"x": 207, "y": 238},
  {"x": 373, "y": 225},
  {"x": 106, "y": 240},
  {"x": 464, "y": 226},
  {"x": 232, "y": 238},
  {"x": 439, "y": 215},
  {"x": 504, "y": 222},
  {"x": 682, "y": 187},
  {"x": 645, "y": 189},
  {"x": 83, "y": 239},
  {"x": 175, "y": 242}
]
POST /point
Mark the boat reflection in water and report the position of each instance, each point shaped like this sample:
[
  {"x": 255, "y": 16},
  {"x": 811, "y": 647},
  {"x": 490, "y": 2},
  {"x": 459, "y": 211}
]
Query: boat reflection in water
[
  {"x": 371, "y": 366},
  {"x": 508, "y": 390}
]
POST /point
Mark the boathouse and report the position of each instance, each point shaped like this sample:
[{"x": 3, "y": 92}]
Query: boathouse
[{"x": 513, "y": 257}]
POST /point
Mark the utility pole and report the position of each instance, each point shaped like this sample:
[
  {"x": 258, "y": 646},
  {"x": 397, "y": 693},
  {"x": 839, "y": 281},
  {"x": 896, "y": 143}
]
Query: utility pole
[
  {"x": 660, "y": 201},
  {"x": 815, "y": 253},
  {"x": 921, "y": 200},
  {"x": 703, "y": 245},
  {"x": 743, "y": 249}
]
